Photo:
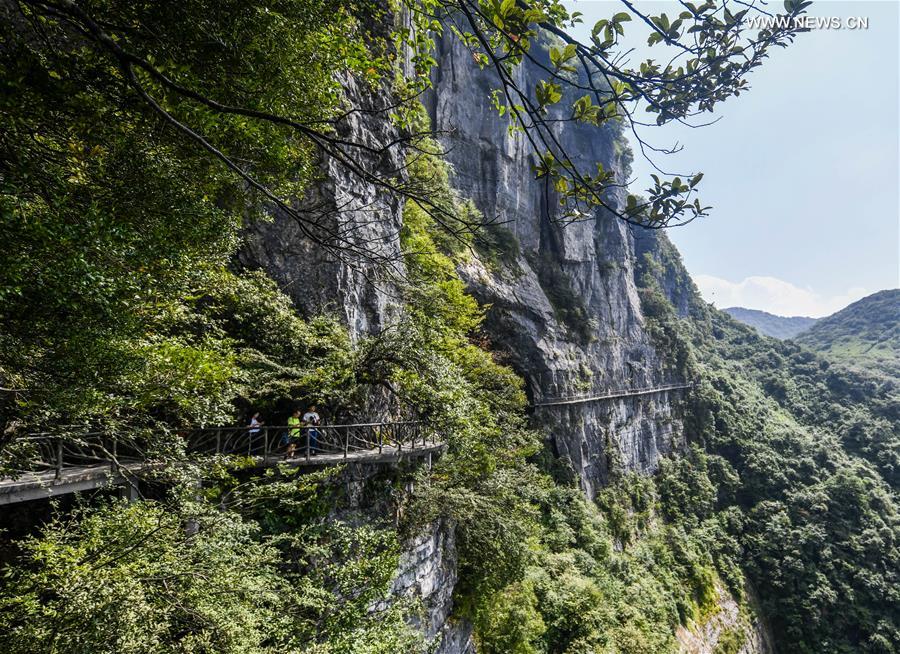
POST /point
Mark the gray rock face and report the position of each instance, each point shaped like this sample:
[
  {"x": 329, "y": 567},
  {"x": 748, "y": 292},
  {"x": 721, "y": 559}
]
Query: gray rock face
[
  {"x": 727, "y": 622},
  {"x": 566, "y": 313},
  {"x": 427, "y": 572},
  {"x": 350, "y": 212}
]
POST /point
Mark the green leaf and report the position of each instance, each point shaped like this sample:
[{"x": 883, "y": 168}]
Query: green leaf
[{"x": 548, "y": 93}]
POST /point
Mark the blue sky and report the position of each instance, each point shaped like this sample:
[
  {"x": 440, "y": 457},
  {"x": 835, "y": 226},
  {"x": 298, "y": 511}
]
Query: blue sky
[{"x": 802, "y": 171}]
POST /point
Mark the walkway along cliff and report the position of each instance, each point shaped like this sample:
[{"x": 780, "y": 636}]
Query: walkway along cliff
[
  {"x": 564, "y": 305},
  {"x": 565, "y": 310}
]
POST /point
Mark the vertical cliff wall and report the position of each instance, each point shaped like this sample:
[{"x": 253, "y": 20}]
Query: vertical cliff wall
[
  {"x": 427, "y": 573},
  {"x": 350, "y": 213},
  {"x": 564, "y": 307}
]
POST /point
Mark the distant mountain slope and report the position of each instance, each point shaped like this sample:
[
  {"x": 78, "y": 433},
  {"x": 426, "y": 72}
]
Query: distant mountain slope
[
  {"x": 770, "y": 324},
  {"x": 866, "y": 333}
]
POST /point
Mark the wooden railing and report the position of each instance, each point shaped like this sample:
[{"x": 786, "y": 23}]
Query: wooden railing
[{"x": 51, "y": 453}]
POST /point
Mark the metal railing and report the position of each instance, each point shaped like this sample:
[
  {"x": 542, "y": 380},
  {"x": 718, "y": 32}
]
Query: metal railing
[
  {"x": 610, "y": 395},
  {"x": 45, "y": 452},
  {"x": 309, "y": 441},
  {"x": 50, "y": 453}
]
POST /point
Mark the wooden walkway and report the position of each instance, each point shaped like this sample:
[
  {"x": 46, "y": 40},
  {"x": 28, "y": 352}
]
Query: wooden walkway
[
  {"x": 96, "y": 461},
  {"x": 93, "y": 460}
]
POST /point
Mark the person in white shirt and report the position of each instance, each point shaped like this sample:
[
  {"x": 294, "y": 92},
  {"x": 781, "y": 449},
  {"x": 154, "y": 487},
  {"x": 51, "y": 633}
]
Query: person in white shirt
[
  {"x": 254, "y": 428},
  {"x": 312, "y": 419},
  {"x": 255, "y": 424}
]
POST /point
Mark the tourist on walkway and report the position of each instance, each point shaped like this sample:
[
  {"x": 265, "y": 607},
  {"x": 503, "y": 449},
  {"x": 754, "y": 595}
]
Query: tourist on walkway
[
  {"x": 253, "y": 428},
  {"x": 255, "y": 424},
  {"x": 312, "y": 420},
  {"x": 293, "y": 435}
]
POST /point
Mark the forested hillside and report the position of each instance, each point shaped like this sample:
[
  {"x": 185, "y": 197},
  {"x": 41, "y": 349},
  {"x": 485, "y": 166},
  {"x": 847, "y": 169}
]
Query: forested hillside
[
  {"x": 801, "y": 457},
  {"x": 219, "y": 209},
  {"x": 769, "y": 324},
  {"x": 865, "y": 335}
]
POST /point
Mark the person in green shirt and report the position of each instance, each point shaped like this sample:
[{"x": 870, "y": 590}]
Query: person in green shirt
[{"x": 293, "y": 432}]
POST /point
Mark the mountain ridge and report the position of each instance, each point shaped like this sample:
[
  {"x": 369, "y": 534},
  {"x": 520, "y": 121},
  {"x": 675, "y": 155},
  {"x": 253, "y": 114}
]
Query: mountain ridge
[
  {"x": 866, "y": 333},
  {"x": 770, "y": 324}
]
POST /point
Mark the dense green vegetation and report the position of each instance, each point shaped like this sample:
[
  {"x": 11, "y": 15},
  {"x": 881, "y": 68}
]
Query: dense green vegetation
[
  {"x": 864, "y": 335},
  {"x": 807, "y": 465},
  {"x": 122, "y": 225},
  {"x": 284, "y": 563},
  {"x": 769, "y": 324},
  {"x": 120, "y": 308},
  {"x": 610, "y": 577},
  {"x": 262, "y": 575}
]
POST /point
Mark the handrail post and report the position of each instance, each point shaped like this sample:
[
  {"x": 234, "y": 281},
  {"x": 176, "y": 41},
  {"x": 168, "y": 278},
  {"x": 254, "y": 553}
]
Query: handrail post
[
  {"x": 114, "y": 464},
  {"x": 218, "y": 441},
  {"x": 346, "y": 441},
  {"x": 265, "y": 444},
  {"x": 307, "y": 443},
  {"x": 59, "y": 457}
]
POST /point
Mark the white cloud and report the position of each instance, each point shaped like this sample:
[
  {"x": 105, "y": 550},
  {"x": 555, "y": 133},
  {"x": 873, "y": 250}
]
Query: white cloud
[{"x": 773, "y": 295}]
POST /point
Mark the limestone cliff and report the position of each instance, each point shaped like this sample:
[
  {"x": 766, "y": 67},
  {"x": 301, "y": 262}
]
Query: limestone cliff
[
  {"x": 427, "y": 573},
  {"x": 564, "y": 307},
  {"x": 565, "y": 311},
  {"x": 351, "y": 212}
]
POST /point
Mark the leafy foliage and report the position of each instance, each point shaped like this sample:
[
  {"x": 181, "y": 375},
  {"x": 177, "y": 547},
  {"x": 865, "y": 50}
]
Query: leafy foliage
[
  {"x": 128, "y": 579},
  {"x": 710, "y": 51},
  {"x": 120, "y": 222},
  {"x": 133, "y": 143},
  {"x": 147, "y": 577},
  {"x": 585, "y": 589}
]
